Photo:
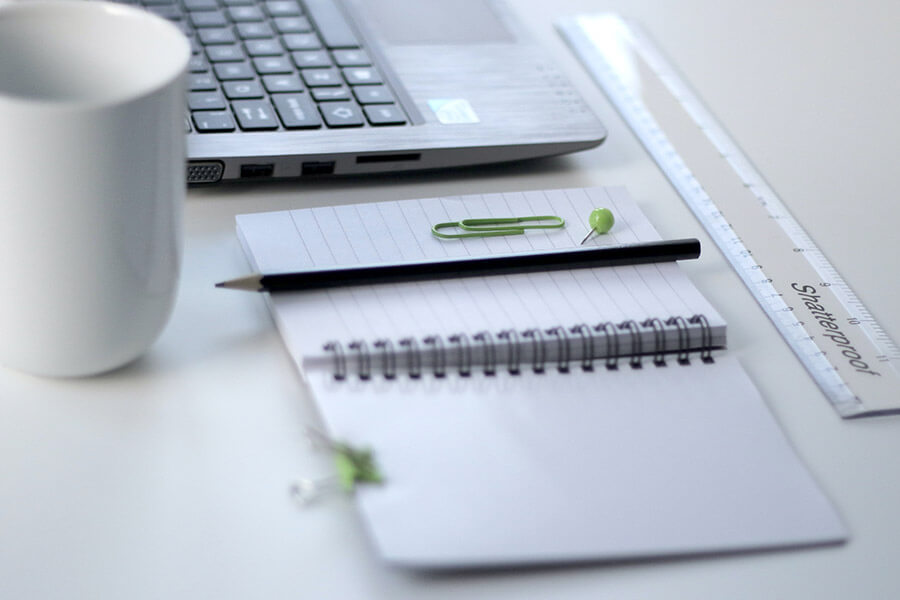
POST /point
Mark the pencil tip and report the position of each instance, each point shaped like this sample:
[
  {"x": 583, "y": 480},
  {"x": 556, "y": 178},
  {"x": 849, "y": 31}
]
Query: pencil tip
[{"x": 251, "y": 283}]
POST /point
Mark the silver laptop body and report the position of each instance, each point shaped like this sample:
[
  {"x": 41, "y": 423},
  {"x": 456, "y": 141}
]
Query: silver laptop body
[{"x": 465, "y": 83}]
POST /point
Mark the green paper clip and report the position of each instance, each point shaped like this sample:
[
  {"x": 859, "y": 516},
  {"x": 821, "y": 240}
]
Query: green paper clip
[{"x": 496, "y": 226}]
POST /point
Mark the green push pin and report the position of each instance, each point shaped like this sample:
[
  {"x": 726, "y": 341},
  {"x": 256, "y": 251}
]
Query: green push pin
[
  {"x": 601, "y": 221},
  {"x": 355, "y": 465}
]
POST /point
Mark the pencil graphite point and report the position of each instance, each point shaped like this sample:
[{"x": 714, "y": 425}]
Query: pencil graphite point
[{"x": 251, "y": 283}]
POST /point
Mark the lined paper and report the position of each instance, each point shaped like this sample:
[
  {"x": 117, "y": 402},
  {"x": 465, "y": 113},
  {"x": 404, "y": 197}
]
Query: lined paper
[
  {"x": 390, "y": 232},
  {"x": 536, "y": 465}
]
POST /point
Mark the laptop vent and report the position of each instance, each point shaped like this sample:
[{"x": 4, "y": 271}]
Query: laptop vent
[{"x": 205, "y": 172}]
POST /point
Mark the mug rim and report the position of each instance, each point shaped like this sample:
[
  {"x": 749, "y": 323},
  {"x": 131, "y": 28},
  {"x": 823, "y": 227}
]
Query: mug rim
[{"x": 101, "y": 7}]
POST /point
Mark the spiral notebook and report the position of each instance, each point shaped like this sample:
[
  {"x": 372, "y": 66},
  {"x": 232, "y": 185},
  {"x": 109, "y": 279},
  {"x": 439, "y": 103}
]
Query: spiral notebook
[{"x": 534, "y": 418}]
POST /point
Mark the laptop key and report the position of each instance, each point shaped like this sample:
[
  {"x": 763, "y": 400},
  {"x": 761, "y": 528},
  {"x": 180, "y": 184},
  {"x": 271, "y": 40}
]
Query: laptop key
[
  {"x": 198, "y": 64},
  {"x": 240, "y": 14},
  {"x": 208, "y": 18},
  {"x": 255, "y": 115},
  {"x": 372, "y": 94},
  {"x": 361, "y": 75},
  {"x": 321, "y": 77},
  {"x": 229, "y": 71},
  {"x": 263, "y": 47},
  {"x": 201, "y": 82},
  {"x": 330, "y": 94},
  {"x": 200, "y": 4},
  {"x": 311, "y": 58},
  {"x": 283, "y": 8},
  {"x": 242, "y": 90},
  {"x": 216, "y": 35},
  {"x": 270, "y": 65},
  {"x": 213, "y": 122},
  {"x": 297, "y": 111},
  {"x": 224, "y": 53},
  {"x": 301, "y": 41},
  {"x": 293, "y": 25},
  {"x": 384, "y": 114},
  {"x": 342, "y": 114},
  {"x": 351, "y": 58},
  {"x": 251, "y": 31},
  {"x": 282, "y": 83},
  {"x": 206, "y": 101}
]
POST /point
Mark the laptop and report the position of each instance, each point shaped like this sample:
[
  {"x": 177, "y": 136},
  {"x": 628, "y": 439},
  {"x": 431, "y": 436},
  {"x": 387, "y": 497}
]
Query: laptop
[{"x": 309, "y": 88}]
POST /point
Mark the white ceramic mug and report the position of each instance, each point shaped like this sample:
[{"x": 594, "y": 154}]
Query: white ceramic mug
[{"x": 92, "y": 184}]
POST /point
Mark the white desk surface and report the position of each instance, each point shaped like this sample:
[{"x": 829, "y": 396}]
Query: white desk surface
[{"x": 169, "y": 478}]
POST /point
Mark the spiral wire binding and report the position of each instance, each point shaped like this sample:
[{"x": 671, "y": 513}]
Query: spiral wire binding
[
  {"x": 388, "y": 358},
  {"x": 414, "y": 356},
  {"x": 683, "y": 356},
  {"x": 540, "y": 349},
  {"x": 612, "y": 343},
  {"x": 659, "y": 340},
  {"x": 514, "y": 351},
  {"x": 490, "y": 353},
  {"x": 440, "y": 354},
  {"x": 340, "y": 360},
  {"x": 365, "y": 358},
  {"x": 635, "y": 358},
  {"x": 705, "y": 337},
  {"x": 562, "y": 348},
  {"x": 464, "y": 350},
  {"x": 511, "y": 344},
  {"x": 587, "y": 346}
]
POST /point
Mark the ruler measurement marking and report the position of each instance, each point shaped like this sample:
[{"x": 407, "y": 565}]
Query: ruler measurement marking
[{"x": 826, "y": 299}]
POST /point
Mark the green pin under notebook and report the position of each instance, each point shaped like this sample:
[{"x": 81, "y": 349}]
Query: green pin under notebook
[{"x": 354, "y": 466}]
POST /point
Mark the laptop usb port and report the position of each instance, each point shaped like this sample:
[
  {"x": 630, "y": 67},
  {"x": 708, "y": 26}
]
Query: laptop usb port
[
  {"x": 324, "y": 167},
  {"x": 251, "y": 171}
]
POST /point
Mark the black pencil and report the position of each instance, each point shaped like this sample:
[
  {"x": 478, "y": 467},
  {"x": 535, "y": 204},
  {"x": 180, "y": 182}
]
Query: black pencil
[{"x": 452, "y": 268}]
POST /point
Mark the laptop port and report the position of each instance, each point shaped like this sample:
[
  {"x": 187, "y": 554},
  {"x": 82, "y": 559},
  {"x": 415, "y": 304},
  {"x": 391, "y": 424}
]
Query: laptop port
[
  {"x": 383, "y": 158},
  {"x": 325, "y": 167},
  {"x": 251, "y": 171},
  {"x": 205, "y": 171}
]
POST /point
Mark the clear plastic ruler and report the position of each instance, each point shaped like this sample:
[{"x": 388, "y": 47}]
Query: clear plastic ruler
[{"x": 845, "y": 350}]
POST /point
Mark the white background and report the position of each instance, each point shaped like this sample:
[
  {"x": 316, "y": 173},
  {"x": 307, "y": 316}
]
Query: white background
[{"x": 169, "y": 478}]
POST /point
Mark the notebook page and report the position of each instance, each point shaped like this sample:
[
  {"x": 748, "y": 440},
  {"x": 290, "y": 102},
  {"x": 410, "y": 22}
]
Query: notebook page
[
  {"x": 401, "y": 231},
  {"x": 552, "y": 467}
]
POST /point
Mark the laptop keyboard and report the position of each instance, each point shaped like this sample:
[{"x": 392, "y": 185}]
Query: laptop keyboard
[{"x": 265, "y": 65}]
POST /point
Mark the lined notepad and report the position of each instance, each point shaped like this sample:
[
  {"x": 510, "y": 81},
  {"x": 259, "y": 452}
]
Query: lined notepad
[
  {"x": 401, "y": 231},
  {"x": 546, "y": 417}
]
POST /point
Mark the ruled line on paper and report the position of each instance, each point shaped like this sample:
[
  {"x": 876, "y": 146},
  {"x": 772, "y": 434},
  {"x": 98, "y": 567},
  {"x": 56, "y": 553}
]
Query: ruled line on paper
[{"x": 401, "y": 231}]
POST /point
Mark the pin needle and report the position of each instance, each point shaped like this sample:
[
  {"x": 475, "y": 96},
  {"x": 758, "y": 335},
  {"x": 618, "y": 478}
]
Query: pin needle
[{"x": 601, "y": 221}]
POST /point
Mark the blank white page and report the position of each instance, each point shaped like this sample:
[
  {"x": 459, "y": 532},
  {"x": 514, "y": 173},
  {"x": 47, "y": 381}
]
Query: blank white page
[
  {"x": 553, "y": 467},
  {"x": 389, "y": 232}
]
